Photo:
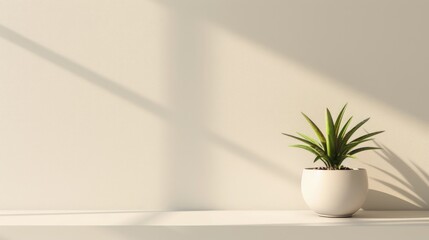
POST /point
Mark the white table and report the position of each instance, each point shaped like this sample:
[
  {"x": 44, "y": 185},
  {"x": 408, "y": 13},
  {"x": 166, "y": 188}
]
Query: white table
[{"x": 191, "y": 225}]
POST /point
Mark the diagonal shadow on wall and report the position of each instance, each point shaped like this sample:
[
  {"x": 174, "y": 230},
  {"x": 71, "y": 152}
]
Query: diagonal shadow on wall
[
  {"x": 143, "y": 103},
  {"x": 376, "y": 47},
  {"x": 412, "y": 184}
]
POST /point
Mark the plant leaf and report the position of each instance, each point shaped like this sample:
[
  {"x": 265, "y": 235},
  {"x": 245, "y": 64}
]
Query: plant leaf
[
  {"x": 344, "y": 129},
  {"x": 330, "y": 134},
  {"x": 353, "y": 130},
  {"x": 315, "y": 129},
  {"x": 320, "y": 156},
  {"x": 339, "y": 119},
  {"x": 344, "y": 157},
  {"x": 367, "y": 136},
  {"x": 321, "y": 159},
  {"x": 315, "y": 146},
  {"x": 362, "y": 149},
  {"x": 308, "y": 148},
  {"x": 348, "y": 147},
  {"x": 309, "y": 139},
  {"x": 317, "y": 158}
]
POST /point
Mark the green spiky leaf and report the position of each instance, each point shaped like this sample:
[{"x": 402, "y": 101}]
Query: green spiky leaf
[
  {"x": 339, "y": 119},
  {"x": 315, "y": 129},
  {"x": 330, "y": 134},
  {"x": 362, "y": 149},
  {"x": 316, "y": 159},
  {"x": 334, "y": 147},
  {"x": 367, "y": 136},
  {"x": 353, "y": 130},
  {"x": 309, "y": 139},
  {"x": 315, "y": 146},
  {"x": 344, "y": 129}
]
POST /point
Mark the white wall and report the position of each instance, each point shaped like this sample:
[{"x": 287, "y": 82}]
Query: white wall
[{"x": 156, "y": 105}]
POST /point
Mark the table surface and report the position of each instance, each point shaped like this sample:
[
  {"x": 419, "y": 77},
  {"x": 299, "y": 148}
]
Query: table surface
[{"x": 207, "y": 218}]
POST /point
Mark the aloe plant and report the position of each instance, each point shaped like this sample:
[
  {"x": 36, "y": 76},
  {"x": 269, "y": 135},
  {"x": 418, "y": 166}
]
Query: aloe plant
[{"x": 337, "y": 145}]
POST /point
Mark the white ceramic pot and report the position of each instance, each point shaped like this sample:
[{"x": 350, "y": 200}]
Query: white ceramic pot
[{"x": 334, "y": 193}]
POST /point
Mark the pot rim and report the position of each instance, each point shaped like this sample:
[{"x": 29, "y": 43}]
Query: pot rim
[{"x": 330, "y": 170}]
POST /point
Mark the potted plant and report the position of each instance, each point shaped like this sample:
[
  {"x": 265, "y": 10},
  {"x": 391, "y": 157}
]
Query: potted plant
[{"x": 334, "y": 190}]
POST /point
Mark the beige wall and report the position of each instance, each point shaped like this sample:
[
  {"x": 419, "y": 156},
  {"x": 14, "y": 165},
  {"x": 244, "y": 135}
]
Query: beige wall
[{"x": 146, "y": 104}]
